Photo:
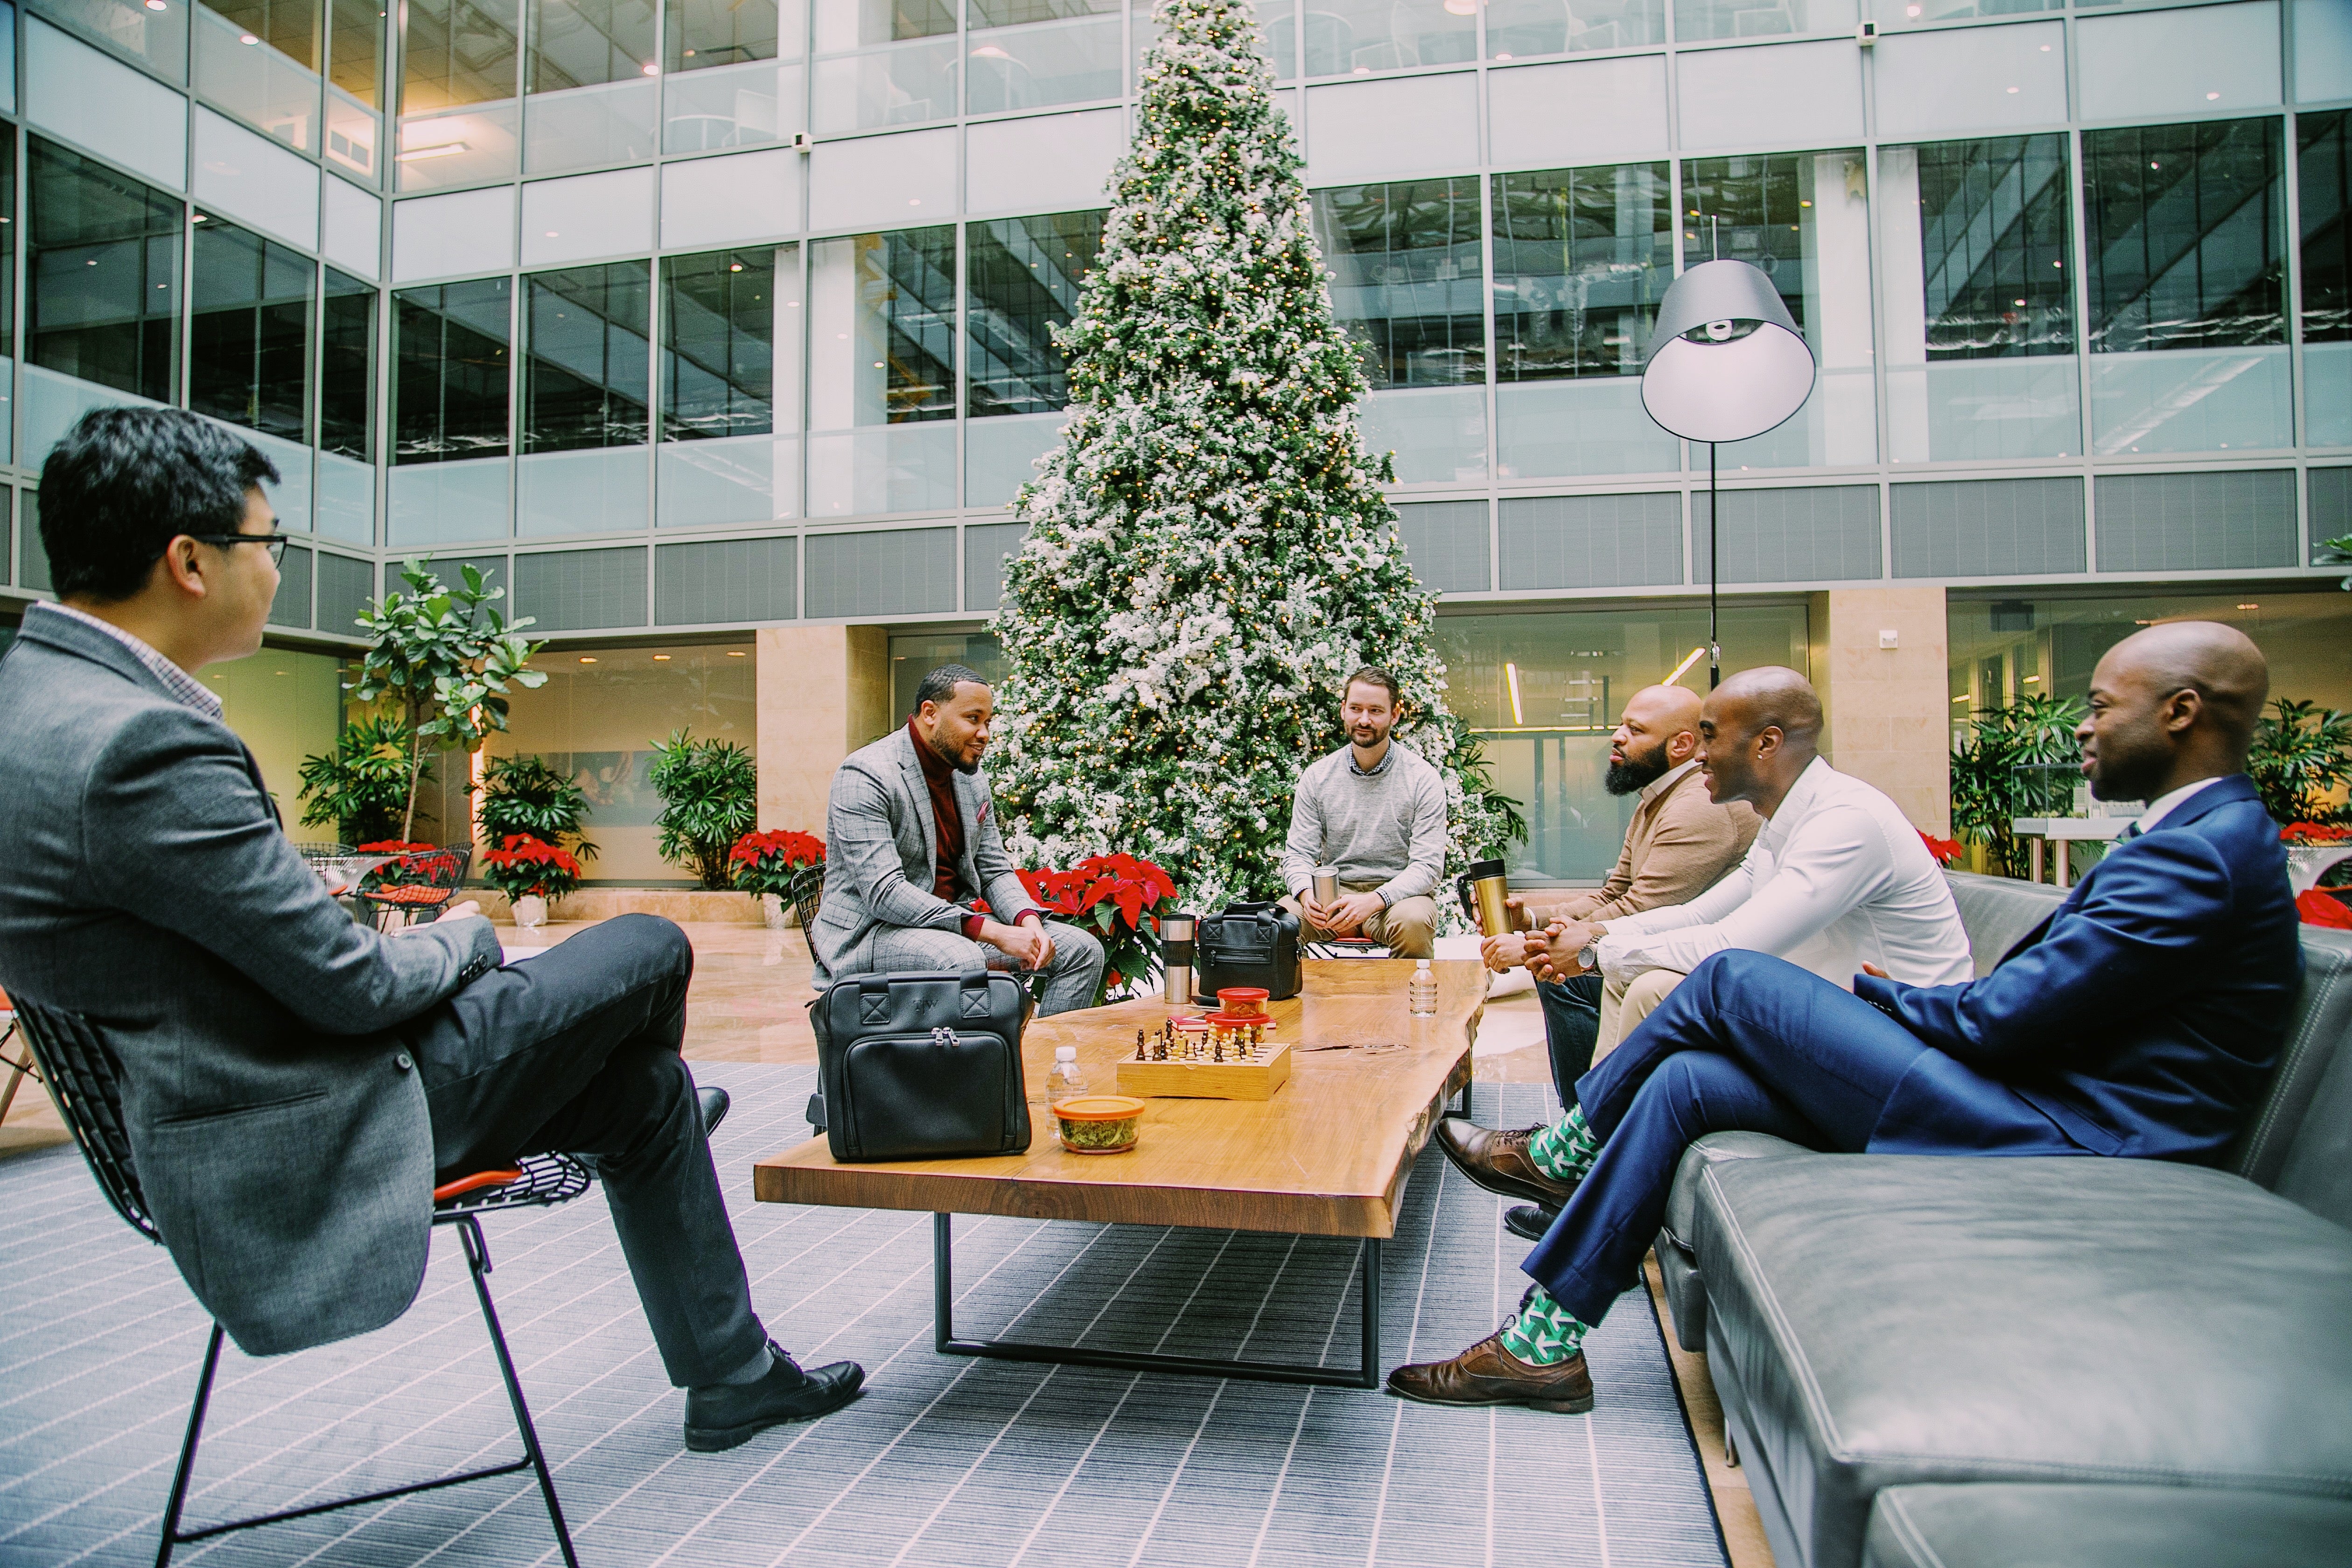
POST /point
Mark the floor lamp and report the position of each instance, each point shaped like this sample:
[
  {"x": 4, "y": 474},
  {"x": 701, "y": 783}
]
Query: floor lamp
[{"x": 1726, "y": 362}]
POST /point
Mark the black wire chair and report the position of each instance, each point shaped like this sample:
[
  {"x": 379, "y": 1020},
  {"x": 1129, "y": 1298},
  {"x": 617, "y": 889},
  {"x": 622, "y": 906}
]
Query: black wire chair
[
  {"x": 427, "y": 884},
  {"x": 86, "y": 1080},
  {"x": 18, "y": 1069}
]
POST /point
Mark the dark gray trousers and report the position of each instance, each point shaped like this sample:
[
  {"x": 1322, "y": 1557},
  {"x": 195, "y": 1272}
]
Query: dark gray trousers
[{"x": 577, "y": 1051}]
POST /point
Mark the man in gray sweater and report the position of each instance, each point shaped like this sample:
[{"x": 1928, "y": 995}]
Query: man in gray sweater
[{"x": 1377, "y": 811}]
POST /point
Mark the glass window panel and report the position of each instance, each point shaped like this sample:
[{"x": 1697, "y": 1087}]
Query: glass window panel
[
  {"x": 1277, "y": 23},
  {"x": 1803, "y": 219},
  {"x": 1980, "y": 308},
  {"x": 347, "y": 368},
  {"x": 249, "y": 330},
  {"x": 450, "y": 376},
  {"x": 2188, "y": 235},
  {"x": 355, "y": 48},
  {"x": 290, "y": 26},
  {"x": 460, "y": 118},
  {"x": 160, "y": 37},
  {"x": 1582, "y": 257},
  {"x": 1574, "y": 669},
  {"x": 725, "y": 87},
  {"x": 578, "y": 43},
  {"x": 1517, "y": 30},
  {"x": 1031, "y": 54},
  {"x": 587, "y": 357},
  {"x": 1360, "y": 37},
  {"x": 729, "y": 319},
  {"x": 852, "y": 24},
  {"x": 1928, "y": 13},
  {"x": 1407, "y": 277},
  {"x": 889, "y": 84},
  {"x": 2186, "y": 245},
  {"x": 1696, "y": 20},
  {"x": 2325, "y": 172},
  {"x": 104, "y": 260},
  {"x": 882, "y": 341},
  {"x": 590, "y": 73},
  {"x": 702, "y": 34},
  {"x": 8, "y": 273},
  {"x": 718, "y": 342},
  {"x": 243, "y": 73},
  {"x": 1025, "y": 274}
]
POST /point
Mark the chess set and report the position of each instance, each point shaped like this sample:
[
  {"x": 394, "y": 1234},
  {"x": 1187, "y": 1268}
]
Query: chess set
[{"x": 1221, "y": 1056}]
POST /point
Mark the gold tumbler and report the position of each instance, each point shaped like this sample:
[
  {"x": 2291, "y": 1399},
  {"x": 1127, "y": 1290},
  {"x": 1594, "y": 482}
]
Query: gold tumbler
[{"x": 1488, "y": 886}]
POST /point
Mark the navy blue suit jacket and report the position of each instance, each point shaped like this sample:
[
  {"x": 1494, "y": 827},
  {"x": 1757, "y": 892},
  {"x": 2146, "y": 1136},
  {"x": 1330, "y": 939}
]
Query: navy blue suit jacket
[{"x": 2143, "y": 1016}]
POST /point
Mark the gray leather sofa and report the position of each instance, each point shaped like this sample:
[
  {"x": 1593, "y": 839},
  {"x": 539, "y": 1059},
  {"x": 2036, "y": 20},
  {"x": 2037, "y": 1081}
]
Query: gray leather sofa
[{"x": 1921, "y": 1359}]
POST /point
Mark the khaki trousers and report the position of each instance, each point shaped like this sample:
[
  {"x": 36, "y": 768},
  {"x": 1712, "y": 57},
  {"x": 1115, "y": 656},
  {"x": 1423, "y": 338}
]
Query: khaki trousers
[
  {"x": 1623, "y": 1006},
  {"x": 1408, "y": 928}
]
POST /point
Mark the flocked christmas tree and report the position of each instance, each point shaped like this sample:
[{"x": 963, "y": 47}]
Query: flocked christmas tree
[{"x": 1209, "y": 553}]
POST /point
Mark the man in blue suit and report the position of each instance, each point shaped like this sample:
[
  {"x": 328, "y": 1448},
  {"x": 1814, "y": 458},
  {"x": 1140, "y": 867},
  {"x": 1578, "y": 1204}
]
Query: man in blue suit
[{"x": 2141, "y": 1019}]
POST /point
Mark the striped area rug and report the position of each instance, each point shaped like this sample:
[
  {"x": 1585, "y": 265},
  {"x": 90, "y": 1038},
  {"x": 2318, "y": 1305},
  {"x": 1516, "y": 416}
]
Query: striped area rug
[{"x": 945, "y": 1460}]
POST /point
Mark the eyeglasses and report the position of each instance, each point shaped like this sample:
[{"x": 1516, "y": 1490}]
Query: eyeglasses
[{"x": 277, "y": 542}]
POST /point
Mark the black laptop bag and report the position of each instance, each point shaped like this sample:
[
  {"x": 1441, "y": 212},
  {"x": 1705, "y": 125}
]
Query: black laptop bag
[
  {"x": 1248, "y": 945},
  {"x": 921, "y": 1065}
]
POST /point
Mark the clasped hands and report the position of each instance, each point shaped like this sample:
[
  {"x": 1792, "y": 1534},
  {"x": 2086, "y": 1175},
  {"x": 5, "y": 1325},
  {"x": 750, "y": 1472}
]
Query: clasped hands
[
  {"x": 1548, "y": 954},
  {"x": 1026, "y": 941},
  {"x": 1343, "y": 916}
]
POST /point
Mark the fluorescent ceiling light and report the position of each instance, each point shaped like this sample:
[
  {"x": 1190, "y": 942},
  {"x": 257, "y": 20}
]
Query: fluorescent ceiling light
[
  {"x": 439, "y": 150},
  {"x": 1689, "y": 659}
]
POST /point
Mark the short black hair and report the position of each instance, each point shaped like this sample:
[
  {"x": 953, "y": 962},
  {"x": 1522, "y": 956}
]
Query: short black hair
[
  {"x": 126, "y": 481},
  {"x": 1372, "y": 675},
  {"x": 940, "y": 684}
]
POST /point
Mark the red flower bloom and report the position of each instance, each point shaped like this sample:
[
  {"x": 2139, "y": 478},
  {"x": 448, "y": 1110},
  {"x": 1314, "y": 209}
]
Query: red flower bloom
[
  {"x": 2312, "y": 833},
  {"x": 791, "y": 848},
  {"x": 395, "y": 847},
  {"x": 2319, "y": 908},
  {"x": 525, "y": 866},
  {"x": 1945, "y": 850}
]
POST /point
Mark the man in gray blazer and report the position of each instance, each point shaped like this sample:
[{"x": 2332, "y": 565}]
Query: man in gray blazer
[
  {"x": 912, "y": 842},
  {"x": 293, "y": 1083}
]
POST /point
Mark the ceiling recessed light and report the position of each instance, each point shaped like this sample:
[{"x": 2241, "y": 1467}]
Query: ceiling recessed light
[
  {"x": 157, "y": 5},
  {"x": 587, "y": 659},
  {"x": 1503, "y": 57},
  {"x": 551, "y": 233},
  {"x": 2012, "y": 89},
  {"x": 2211, "y": 96},
  {"x": 734, "y": 266},
  {"x": 734, "y": 653},
  {"x": 2241, "y": 606},
  {"x": 652, "y": 69},
  {"x": 247, "y": 38},
  {"x": 661, "y": 658}
]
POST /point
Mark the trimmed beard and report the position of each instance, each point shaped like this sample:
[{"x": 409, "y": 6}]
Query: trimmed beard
[
  {"x": 958, "y": 764},
  {"x": 1635, "y": 773}
]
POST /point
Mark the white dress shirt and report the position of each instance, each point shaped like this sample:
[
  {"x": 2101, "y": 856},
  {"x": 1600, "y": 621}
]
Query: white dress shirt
[
  {"x": 2161, "y": 807},
  {"x": 1838, "y": 877}
]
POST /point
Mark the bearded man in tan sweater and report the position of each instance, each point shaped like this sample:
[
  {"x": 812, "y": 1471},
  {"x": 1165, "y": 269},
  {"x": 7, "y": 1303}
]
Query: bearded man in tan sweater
[{"x": 1679, "y": 844}]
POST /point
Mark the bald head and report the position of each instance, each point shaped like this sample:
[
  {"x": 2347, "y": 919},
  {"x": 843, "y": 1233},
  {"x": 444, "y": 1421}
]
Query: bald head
[
  {"x": 1658, "y": 732},
  {"x": 2171, "y": 705},
  {"x": 1758, "y": 732}
]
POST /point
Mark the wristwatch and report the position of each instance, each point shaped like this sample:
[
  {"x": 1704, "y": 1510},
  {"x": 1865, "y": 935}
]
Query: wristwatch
[{"x": 1589, "y": 958}]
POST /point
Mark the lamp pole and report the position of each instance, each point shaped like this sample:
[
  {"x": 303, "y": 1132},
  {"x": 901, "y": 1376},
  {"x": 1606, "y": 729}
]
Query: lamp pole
[{"x": 1726, "y": 362}]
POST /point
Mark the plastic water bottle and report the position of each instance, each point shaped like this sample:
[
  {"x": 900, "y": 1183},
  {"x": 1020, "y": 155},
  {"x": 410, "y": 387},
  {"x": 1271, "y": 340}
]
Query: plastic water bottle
[
  {"x": 1064, "y": 1080},
  {"x": 1420, "y": 991}
]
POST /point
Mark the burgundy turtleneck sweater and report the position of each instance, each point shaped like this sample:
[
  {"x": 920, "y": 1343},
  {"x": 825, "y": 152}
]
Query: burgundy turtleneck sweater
[{"x": 947, "y": 830}]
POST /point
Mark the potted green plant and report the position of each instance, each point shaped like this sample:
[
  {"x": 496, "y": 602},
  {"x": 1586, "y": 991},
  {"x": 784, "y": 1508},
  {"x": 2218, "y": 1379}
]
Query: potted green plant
[
  {"x": 780, "y": 867},
  {"x": 2009, "y": 768},
  {"x": 445, "y": 659},
  {"x": 523, "y": 795},
  {"x": 361, "y": 788},
  {"x": 529, "y": 871},
  {"x": 709, "y": 792},
  {"x": 2302, "y": 754}
]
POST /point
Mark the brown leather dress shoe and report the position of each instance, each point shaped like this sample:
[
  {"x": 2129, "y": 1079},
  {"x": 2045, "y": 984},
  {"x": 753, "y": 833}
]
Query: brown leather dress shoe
[
  {"x": 1486, "y": 1374},
  {"x": 1498, "y": 1162}
]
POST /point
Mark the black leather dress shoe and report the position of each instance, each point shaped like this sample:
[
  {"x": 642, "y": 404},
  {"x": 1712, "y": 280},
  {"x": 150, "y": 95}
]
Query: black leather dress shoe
[
  {"x": 725, "y": 1417},
  {"x": 714, "y": 1103},
  {"x": 1529, "y": 1220}
]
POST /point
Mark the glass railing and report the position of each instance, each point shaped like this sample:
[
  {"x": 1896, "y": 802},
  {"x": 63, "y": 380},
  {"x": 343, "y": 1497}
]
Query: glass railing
[{"x": 239, "y": 72}]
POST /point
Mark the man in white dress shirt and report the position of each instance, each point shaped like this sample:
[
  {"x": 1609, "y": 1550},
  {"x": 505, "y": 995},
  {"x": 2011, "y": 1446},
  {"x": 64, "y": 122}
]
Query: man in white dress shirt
[{"x": 1838, "y": 879}]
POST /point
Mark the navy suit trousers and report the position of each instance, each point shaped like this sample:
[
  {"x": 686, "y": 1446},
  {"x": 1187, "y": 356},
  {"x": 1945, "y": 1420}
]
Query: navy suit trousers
[{"x": 1748, "y": 1043}]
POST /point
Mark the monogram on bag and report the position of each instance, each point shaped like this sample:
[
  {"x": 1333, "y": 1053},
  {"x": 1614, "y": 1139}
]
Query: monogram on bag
[{"x": 921, "y": 1065}]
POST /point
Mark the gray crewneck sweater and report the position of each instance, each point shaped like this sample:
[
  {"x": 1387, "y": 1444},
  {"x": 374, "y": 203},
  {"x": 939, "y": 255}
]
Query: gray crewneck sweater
[{"x": 1384, "y": 829}]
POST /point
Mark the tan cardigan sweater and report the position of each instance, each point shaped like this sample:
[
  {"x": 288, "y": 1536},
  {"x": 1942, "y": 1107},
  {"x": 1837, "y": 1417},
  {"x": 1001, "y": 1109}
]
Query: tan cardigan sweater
[{"x": 1679, "y": 844}]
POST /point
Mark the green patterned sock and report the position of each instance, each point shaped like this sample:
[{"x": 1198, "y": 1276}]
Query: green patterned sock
[
  {"x": 1565, "y": 1150},
  {"x": 1545, "y": 1334}
]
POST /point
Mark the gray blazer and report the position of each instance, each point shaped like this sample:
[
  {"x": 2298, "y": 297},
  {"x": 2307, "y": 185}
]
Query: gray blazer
[
  {"x": 276, "y": 1122},
  {"x": 882, "y": 855}
]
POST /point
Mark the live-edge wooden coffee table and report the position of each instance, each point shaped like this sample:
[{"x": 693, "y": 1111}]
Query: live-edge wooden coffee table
[{"x": 1328, "y": 1155}]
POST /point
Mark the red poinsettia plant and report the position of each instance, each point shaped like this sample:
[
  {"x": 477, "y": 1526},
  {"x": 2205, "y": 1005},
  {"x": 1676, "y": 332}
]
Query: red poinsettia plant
[
  {"x": 414, "y": 865},
  {"x": 2296, "y": 834},
  {"x": 525, "y": 866},
  {"x": 1943, "y": 850},
  {"x": 789, "y": 865},
  {"x": 2319, "y": 907},
  {"x": 1120, "y": 898}
]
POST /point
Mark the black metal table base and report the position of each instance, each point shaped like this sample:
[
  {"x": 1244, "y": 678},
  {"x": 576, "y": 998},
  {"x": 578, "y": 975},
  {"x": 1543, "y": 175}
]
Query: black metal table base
[{"x": 944, "y": 1337}]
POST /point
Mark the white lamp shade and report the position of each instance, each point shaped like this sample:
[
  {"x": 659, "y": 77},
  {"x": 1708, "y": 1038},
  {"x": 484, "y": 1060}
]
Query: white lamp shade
[{"x": 1725, "y": 361}]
